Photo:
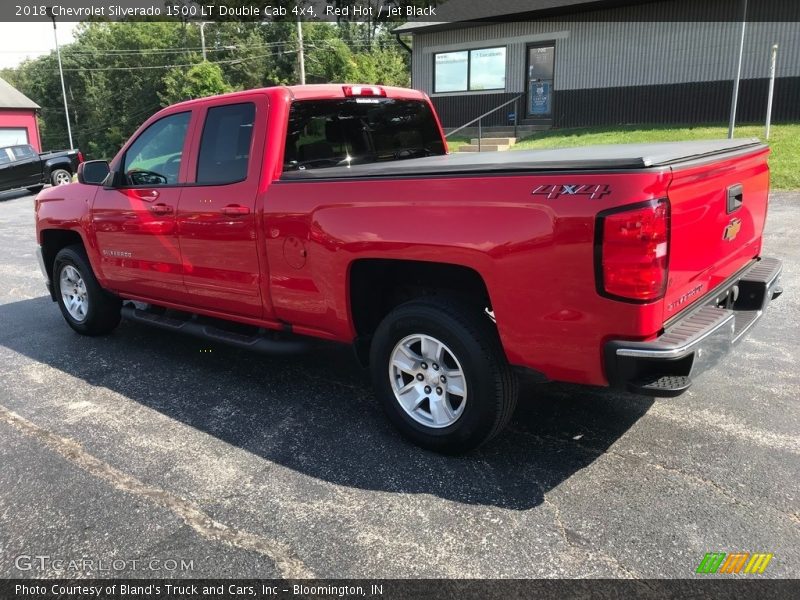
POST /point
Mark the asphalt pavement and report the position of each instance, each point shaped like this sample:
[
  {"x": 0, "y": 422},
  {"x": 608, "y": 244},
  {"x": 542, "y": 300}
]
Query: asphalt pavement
[{"x": 162, "y": 456}]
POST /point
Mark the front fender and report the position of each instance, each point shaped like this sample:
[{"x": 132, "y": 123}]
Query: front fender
[{"x": 68, "y": 208}]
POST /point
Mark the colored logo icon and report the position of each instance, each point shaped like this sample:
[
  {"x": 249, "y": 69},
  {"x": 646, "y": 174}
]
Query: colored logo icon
[{"x": 735, "y": 563}]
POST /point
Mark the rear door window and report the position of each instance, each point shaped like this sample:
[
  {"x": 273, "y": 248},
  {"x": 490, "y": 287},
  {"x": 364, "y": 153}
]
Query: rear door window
[
  {"x": 225, "y": 146},
  {"x": 344, "y": 132}
]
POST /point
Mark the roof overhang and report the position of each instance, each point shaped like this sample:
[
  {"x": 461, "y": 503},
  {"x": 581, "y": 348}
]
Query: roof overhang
[{"x": 459, "y": 14}]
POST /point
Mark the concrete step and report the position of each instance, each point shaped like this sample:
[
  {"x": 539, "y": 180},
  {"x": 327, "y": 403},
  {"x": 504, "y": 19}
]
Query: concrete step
[
  {"x": 484, "y": 147},
  {"x": 497, "y": 141}
]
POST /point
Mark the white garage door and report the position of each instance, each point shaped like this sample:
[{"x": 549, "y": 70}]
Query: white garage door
[{"x": 11, "y": 136}]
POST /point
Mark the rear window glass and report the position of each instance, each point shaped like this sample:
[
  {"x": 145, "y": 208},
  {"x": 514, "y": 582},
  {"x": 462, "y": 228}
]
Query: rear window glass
[
  {"x": 331, "y": 133},
  {"x": 21, "y": 152}
]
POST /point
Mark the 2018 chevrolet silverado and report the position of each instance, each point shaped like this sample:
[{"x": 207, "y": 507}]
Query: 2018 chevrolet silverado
[
  {"x": 22, "y": 167},
  {"x": 336, "y": 212}
]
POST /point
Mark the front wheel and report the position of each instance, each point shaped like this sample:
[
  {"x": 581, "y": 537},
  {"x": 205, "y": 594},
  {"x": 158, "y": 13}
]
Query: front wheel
[
  {"x": 86, "y": 307},
  {"x": 439, "y": 370}
]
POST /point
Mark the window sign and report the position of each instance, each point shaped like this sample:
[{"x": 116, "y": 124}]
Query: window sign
[
  {"x": 539, "y": 98},
  {"x": 451, "y": 72},
  {"x": 487, "y": 69}
]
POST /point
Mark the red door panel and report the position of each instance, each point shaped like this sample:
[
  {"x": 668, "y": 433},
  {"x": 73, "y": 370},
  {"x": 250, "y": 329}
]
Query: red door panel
[
  {"x": 217, "y": 213},
  {"x": 134, "y": 223},
  {"x": 138, "y": 242}
]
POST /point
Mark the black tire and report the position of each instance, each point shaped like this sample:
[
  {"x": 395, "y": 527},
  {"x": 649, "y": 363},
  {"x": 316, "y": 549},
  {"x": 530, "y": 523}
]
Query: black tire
[
  {"x": 472, "y": 338},
  {"x": 35, "y": 189},
  {"x": 103, "y": 312},
  {"x": 57, "y": 177}
]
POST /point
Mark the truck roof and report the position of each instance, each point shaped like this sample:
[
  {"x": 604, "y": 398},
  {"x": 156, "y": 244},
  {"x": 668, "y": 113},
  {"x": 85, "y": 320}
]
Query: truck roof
[
  {"x": 324, "y": 91},
  {"x": 607, "y": 157}
]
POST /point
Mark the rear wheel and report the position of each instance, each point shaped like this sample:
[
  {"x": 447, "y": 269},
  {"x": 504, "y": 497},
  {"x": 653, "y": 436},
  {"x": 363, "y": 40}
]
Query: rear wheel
[
  {"x": 60, "y": 177},
  {"x": 439, "y": 370},
  {"x": 86, "y": 307}
]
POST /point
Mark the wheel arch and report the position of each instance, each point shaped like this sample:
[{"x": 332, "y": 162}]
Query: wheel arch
[
  {"x": 52, "y": 241},
  {"x": 378, "y": 285},
  {"x": 60, "y": 162}
]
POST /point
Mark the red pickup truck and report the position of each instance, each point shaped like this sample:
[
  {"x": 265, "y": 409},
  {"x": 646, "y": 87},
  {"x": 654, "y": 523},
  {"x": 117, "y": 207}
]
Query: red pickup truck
[{"x": 263, "y": 217}]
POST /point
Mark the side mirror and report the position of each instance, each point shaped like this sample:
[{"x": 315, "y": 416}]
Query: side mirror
[{"x": 93, "y": 172}]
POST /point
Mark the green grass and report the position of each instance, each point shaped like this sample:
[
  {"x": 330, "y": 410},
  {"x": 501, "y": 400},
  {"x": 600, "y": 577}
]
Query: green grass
[
  {"x": 784, "y": 142},
  {"x": 454, "y": 143}
]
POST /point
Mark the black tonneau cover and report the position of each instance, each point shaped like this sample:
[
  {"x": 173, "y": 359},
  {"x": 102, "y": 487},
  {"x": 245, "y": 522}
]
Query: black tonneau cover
[{"x": 617, "y": 156}]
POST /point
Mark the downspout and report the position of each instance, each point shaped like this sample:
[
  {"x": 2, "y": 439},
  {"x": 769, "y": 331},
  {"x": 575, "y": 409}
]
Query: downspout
[
  {"x": 402, "y": 43},
  {"x": 410, "y": 53}
]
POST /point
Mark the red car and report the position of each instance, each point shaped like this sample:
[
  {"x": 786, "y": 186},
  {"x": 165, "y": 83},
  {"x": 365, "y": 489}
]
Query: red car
[{"x": 260, "y": 217}]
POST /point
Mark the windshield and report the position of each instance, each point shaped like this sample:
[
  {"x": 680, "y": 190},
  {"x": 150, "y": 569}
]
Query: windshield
[{"x": 330, "y": 133}]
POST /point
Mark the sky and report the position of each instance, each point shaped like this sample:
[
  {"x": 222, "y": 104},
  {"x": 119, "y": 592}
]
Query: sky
[{"x": 19, "y": 41}]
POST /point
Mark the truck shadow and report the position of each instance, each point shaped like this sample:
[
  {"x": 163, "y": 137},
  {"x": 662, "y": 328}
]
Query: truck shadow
[
  {"x": 315, "y": 413},
  {"x": 14, "y": 194}
]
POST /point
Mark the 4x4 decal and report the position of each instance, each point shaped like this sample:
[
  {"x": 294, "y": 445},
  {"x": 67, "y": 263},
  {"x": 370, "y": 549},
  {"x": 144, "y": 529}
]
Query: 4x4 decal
[{"x": 594, "y": 191}]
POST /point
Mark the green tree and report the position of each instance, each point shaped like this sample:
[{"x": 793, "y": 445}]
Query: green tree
[
  {"x": 380, "y": 66},
  {"x": 201, "y": 80}
]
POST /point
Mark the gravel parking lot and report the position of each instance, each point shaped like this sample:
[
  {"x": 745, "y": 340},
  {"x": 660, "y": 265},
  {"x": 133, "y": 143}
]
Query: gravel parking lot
[{"x": 143, "y": 447}]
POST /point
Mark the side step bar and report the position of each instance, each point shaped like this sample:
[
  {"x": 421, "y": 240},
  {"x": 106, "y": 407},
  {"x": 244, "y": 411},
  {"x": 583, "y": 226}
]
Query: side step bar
[{"x": 262, "y": 341}]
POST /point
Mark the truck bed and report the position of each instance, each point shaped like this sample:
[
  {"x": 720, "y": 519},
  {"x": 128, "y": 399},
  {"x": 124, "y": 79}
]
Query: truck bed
[{"x": 604, "y": 157}]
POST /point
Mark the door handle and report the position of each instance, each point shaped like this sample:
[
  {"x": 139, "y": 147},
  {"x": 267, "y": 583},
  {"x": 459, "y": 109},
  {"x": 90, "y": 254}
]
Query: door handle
[
  {"x": 234, "y": 210},
  {"x": 160, "y": 209}
]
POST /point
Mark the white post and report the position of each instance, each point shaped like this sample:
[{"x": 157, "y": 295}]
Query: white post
[
  {"x": 301, "y": 57},
  {"x": 63, "y": 87},
  {"x": 735, "y": 98},
  {"x": 203, "y": 38},
  {"x": 772, "y": 64}
]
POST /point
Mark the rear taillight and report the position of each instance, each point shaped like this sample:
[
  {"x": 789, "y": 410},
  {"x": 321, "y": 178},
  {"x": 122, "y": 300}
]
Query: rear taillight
[
  {"x": 80, "y": 157},
  {"x": 363, "y": 90},
  {"x": 632, "y": 251}
]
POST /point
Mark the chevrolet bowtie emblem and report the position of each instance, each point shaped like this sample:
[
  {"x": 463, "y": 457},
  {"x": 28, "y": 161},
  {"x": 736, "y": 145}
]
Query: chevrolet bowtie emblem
[{"x": 732, "y": 230}]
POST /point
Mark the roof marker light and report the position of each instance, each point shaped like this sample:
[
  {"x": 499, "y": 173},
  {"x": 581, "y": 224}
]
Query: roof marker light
[{"x": 363, "y": 90}]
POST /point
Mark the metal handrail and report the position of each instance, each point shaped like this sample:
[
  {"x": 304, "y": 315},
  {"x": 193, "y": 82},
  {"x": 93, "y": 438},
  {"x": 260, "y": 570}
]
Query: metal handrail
[{"x": 486, "y": 114}]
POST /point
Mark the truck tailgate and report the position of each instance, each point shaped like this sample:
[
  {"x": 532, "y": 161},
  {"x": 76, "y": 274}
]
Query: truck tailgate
[{"x": 717, "y": 211}]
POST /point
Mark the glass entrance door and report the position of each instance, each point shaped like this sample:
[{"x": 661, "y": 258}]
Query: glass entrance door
[{"x": 541, "y": 62}]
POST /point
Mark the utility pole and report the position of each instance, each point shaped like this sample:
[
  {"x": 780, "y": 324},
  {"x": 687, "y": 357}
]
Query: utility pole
[
  {"x": 772, "y": 65},
  {"x": 203, "y": 37},
  {"x": 735, "y": 98},
  {"x": 61, "y": 73},
  {"x": 301, "y": 57}
]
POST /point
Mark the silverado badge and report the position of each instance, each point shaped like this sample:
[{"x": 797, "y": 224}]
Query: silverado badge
[{"x": 732, "y": 230}]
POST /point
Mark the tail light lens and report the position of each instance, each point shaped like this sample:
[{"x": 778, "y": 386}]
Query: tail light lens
[
  {"x": 80, "y": 157},
  {"x": 632, "y": 252}
]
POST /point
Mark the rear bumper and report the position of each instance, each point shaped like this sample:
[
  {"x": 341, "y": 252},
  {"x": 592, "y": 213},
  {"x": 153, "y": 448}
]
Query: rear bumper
[{"x": 695, "y": 342}]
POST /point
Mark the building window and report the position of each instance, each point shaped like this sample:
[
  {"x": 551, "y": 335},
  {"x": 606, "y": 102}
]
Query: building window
[
  {"x": 10, "y": 136},
  {"x": 470, "y": 70}
]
